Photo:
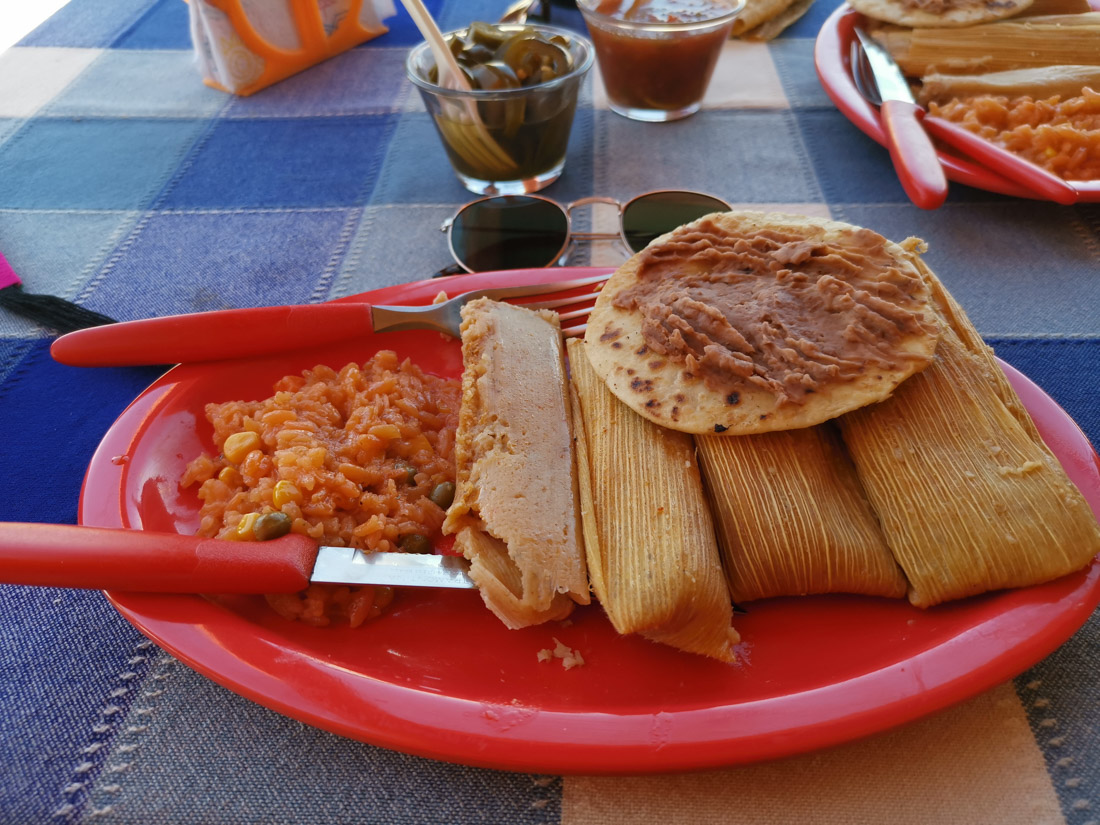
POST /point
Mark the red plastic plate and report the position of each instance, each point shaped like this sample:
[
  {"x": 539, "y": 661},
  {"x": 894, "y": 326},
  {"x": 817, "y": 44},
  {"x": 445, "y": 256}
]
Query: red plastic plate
[
  {"x": 835, "y": 73},
  {"x": 441, "y": 677}
]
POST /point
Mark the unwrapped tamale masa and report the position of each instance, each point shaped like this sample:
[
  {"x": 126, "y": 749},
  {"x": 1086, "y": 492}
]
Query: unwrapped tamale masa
[{"x": 515, "y": 514}]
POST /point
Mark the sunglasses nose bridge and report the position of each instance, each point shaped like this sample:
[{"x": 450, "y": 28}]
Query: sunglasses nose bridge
[{"x": 595, "y": 201}]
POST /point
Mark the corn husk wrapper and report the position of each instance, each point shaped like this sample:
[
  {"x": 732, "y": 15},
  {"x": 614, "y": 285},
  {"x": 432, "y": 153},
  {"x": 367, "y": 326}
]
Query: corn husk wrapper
[
  {"x": 1040, "y": 83},
  {"x": 771, "y": 20},
  {"x": 968, "y": 495},
  {"x": 1050, "y": 40},
  {"x": 758, "y": 12},
  {"x": 652, "y": 556},
  {"x": 792, "y": 517}
]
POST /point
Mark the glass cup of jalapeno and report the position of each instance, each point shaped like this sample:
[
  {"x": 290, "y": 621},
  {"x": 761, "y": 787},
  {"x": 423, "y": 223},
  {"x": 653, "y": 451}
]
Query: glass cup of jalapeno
[{"x": 508, "y": 134}]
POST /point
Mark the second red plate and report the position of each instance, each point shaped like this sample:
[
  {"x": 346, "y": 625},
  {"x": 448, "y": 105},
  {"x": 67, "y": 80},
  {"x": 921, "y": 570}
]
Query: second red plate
[{"x": 835, "y": 73}]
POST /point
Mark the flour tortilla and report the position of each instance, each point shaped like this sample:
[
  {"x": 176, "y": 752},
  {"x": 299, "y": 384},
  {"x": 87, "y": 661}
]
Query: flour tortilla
[
  {"x": 966, "y": 13},
  {"x": 662, "y": 391}
]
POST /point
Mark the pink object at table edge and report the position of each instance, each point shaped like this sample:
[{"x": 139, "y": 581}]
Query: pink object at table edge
[{"x": 7, "y": 274}]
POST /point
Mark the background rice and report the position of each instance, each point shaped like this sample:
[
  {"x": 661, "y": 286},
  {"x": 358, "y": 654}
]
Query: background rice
[
  {"x": 350, "y": 457},
  {"x": 1063, "y": 136}
]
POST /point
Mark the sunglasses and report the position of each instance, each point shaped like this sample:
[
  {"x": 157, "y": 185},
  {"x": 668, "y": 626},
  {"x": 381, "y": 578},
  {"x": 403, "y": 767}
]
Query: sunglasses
[{"x": 530, "y": 231}]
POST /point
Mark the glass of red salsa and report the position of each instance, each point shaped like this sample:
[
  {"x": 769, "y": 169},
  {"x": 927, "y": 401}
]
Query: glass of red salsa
[{"x": 656, "y": 57}]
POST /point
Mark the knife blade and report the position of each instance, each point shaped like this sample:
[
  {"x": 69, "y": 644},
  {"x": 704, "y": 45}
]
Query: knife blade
[
  {"x": 101, "y": 558},
  {"x": 911, "y": 149}
]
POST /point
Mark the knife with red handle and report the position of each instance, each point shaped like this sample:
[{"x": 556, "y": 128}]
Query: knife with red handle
[
  {"x": 209, "y": 336},
  {"x": 102, "y": 558},
  {"x": 914, "y": 155},
  {"x": 911, "y": 149}
]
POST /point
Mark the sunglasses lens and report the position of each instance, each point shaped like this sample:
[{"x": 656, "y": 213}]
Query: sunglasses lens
[
  {"x": 649, "y": 216},
  {"x": 509, "y": 232}
]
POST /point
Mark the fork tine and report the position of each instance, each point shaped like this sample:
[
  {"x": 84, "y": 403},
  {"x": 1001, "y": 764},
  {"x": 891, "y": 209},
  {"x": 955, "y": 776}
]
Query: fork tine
[
  {"x": 554, "y": 303},
  {"x": 446, "y": 317},
  {"x": 864, "y": 81},
  {"x": 541, "y": 289},
  {"x": 583, "y": 312}
]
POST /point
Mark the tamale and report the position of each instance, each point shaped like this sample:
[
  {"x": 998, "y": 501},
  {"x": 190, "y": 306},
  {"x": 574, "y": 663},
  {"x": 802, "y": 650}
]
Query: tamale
[
  {"x": 792, "y": 517},
  {"x": 1039, "y": 82},
  {"x": 773, "y": 26},
  {"x": 1048, "y": 40},
  {"x": 652, "y": 555},
  {"x": 515, "y": 513},
  {"x": 968, "y": 496},
  {"x": 757, "y": 12}
]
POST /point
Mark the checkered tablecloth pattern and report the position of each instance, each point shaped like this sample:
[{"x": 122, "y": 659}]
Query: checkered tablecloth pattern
[{"x": 129, "y": 187}]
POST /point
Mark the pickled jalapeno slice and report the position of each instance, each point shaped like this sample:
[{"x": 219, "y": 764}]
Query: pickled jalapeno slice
[
  {"x": 493, "y": 58},
  {"x": 494, "y": 75},
  {"x": 534, "y": 59}
]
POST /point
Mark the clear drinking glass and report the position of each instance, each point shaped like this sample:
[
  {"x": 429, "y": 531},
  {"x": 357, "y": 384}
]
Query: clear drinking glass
[
  {"x": 659, "y": 69},
  {"x": 510, "y": 141}
]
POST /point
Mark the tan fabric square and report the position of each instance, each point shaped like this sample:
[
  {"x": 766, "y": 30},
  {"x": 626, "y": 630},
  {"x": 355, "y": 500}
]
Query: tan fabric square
[{"x": 976, "y": 763}]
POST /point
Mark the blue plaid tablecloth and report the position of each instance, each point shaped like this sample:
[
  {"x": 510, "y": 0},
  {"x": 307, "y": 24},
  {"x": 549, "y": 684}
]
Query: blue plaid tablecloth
[{"x": 129, "y": 187}]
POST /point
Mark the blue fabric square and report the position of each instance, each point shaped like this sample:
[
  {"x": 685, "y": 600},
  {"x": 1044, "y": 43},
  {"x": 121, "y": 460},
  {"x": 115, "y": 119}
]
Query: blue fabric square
[
  {"x": 853, "y": 168},
  {"x": 40, "y": 413},
  {"x": 794, "y": 61},
  {"x": 283, "y": 163},
  {"x": 141, "y": 83},
  {"x": 746, "y": 156},
  {"x": 1047, "y": 686},
  {"x": 810, "y": 23},
  {"x": 402, "y": 30},
  {"x": 255, "y": 259},
  {"x": 1059, "y": 367},
  {"x": 416, "y": 169},
  {"x": 395, "y": 244},
  {"x": 87, "y": 24},
  {"x": 56, "y": 253},
  {"x": 163, "y": 26},
  {"x": 92, "y": 164},
  {"x": 991, "y": 258},
  {"x": 73, "y": 645},
  {"x": 8, "y": 125},
  {"x": 12, "y": 353},
  {"x": 335, "y": 780},
  {"x": 460, "y": 15},
  {"x": 359, "y": 81}
]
